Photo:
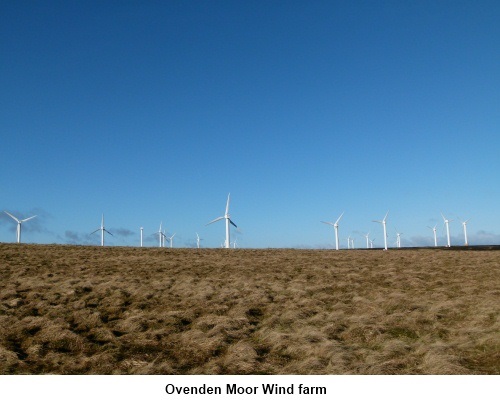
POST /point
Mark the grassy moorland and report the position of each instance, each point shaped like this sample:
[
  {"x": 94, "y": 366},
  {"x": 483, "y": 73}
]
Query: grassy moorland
[{"x": 93, "y": 310}]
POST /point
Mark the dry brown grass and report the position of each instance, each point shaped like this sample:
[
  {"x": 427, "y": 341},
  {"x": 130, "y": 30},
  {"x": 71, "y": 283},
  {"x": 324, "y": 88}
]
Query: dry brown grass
[{"x": 93, "y": 310}]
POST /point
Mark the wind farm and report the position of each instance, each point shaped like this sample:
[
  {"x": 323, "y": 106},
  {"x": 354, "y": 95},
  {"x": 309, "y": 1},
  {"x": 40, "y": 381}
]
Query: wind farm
[{"x": 311, "y": 120}]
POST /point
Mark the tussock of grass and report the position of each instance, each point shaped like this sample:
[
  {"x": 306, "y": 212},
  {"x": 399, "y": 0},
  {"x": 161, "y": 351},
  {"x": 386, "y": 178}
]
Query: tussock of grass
[{"x": 92, "y": 310}]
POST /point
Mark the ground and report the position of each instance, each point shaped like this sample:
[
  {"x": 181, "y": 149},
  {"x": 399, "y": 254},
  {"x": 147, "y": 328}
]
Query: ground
[{"x": 116, "y": 310}]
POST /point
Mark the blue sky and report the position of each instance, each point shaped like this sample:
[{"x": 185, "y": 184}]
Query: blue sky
[{"x": 155, "y": 111}]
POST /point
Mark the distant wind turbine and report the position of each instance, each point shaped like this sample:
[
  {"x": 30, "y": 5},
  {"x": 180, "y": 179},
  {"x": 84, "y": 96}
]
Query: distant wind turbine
[
  {"x": 371, "y": 243},
  {"x": 349, "y": 242},
  {"x": 464, "y": 224},
  {"x": 19, "y": 222},
  {"x": 367, "y": 240},
  {"x": 447, "y": 224},
  {"x": 398, "y": 238},
  {"x": 235, "y": 244},
  {"x": 198, "y": 240},
  {"x": 383, "y": 222},
  {"x": 102, "y": 229},
  {"x": 435, "y": 235},
  {"x": 336, "y": 227},
  {"x": 142, "y": 229},
  {"x": 227, "y": 217},
  {"x": 171, "y": 239},
  {"x": 161, "y": 237}
]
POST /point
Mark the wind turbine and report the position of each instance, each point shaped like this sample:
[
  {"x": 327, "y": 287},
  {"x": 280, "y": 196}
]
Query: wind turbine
[
  {"x": 352, "y": 243},
  {"x": 367, "y": 240},
  {"x": 235, "y": 244},
  {"x": 447, "y": 224},
  {"x": 171, "y": 240},
  {"x": 198, "y": 240},
  {"x": 142, "y": 229},
  {"x": 227, "y": 217},
  {"x": 398, "y": 238},
  {"x": 161, "y": 236},
  {"x": 383, "y": 222},
  {"x": 19, "y": 222},
  {"x": 336, "y": 227},
  {"x": 102, "y": 229},
  {"x": 371, "y": 243},
  {"x": 464, "y": 224},
  {"x": 349, "y": 242},
  {"x": 435, "y": 235}
]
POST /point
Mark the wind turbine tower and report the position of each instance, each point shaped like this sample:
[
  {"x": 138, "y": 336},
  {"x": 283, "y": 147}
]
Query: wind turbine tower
[
  {"x": 435, "y": 235},
  {"x": 367, "y": 240},
  {"x": 398, "y": 239},
  {"x": 383, "y": 222},
  {"x": 102, "y": 229},
  {"x": 198, "y": 240},
  {"x": 19, "y": 223},
  {"x": 142, "y": 229},
  {"x": 161, "y": 237},
  {"x": 172, "y": 240},
  {"x": 464, "y": 224},
  {"x": 336, "y": 227},
  {"x": 447, "y": 224},
  {"x": 227, "y": 217}
]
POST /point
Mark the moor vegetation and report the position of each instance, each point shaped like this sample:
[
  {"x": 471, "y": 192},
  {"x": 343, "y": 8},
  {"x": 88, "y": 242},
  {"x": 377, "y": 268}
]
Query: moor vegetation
[{"x": 112, "y": 310}]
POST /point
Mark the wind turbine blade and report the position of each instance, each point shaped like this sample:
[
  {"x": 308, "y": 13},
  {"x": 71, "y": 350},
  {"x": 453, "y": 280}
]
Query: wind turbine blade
[
  {"x": 96, "y": 231},
  {"x": 443, "y": 216},
  {"x": 227, "y": 204},
  {"x": 386, "y": 216},
  {"x": 337, "y": 221},
  {"x": 12, "y": 216},
  {"x": 328, "y": 223},
  {"x": 108, "y": 232},
  {"x": 215, "y": 220},
  {"x": 27, "y": 219},
  {"x": 236, "y": 226},
  {"x": 377, "y": 221},
  {"x": 173, "y": 235}
]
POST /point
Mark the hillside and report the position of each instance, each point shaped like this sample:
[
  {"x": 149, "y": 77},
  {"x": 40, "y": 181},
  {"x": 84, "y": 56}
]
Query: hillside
[{"x": 93, "y": 310}]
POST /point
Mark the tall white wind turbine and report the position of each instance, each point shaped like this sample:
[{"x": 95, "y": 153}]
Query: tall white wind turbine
[
  {"x": 336, "y": 227},
  {"x": 161, "y": 237},
  {"x": 227, "y": 217},
  {"x": 102, "y": 229},
  {"x": 447, "y": 224},
  {"x": 464, "y": 224},
  {"x": 367, "y": 240},
  {"x": 142, "y": 229},
  {"x": 435, "y": 235},
  {"x": 349, "y": 242},
  {"x": 198, "y": 240},
  {"x": 19, "y": 222},
  {"x": 171, "y": 239},
  {"x": 398, "y": 239},
  {"x": 371, "y": 243},
  {"x": 383, "y": 222}
]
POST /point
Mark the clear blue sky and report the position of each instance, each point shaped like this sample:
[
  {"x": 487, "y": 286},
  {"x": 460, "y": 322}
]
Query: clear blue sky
[{"x": 155, "y": 111}]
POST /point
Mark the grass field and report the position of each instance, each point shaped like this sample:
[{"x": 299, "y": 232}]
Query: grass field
[{"x": 112, "y": 310}]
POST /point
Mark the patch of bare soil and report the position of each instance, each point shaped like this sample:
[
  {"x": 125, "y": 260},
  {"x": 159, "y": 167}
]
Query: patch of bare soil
[{"x": 94, "y": 310}]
